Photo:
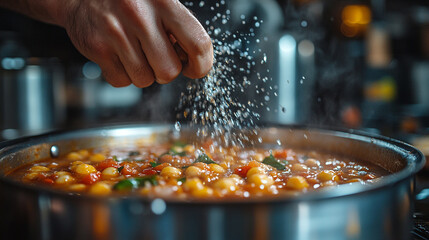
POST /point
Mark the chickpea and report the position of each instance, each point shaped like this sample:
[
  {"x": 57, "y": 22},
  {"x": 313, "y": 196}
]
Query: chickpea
[
  {"x": 193, "y": 171},
  {"x": 84, "y": 169},
  {"x": 255, "y": 170},
  {"x": 39, "y": 169},
  {"x": 100, "y": 188},
  {"x": 171, "y": 172},
  {"x": 84, "y": 153},
  {"x": 189, "y": 148},
  {"x": 77, "y": 187},
  {"x": 327, "y": 175},
  {"x": 109, "y": 172},
  {"x": 74, "y": 156},
  {"x": 261, "y": 180},
  {"x": 64, "y": 179},
  {"x": 202, "y": 166},
  {"x": 202, "y": 192},
  {"x": 31, "y": 176},
  {"x": 297, "y": 183},
  {"x": 313, "y": 163},
  {"x": 75, "y": 163},
  {"x": 298, "y": 167},
  {"x": 61, "y": 173},
  {"x": 259, "y": 157},
  {"x": 192, "y": 184},
  {"x": 98, "y": 157},
  {"x": 216, "y": 168},
  {"x": 225, "y": 184}
]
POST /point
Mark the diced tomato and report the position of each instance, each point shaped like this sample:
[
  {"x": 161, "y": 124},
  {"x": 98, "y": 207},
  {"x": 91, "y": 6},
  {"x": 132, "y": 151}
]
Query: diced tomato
[
  {"x": 242, "y": 171},
  {"x": 161, "y": 166},
  {"x": 148, "y": 171},
  {"x": 91, "y": 178},
  {"x": 254, "y": 164},
  {"x": 129, "y": 170},
  {"x": 48, "y": 181},
  {"x": 280, "y": 153},
  {"x": 107, "y": 163}
]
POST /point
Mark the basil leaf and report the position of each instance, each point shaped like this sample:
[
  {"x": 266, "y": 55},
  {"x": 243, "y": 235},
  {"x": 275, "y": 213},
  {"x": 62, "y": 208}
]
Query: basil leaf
[
  {"x": 182, "y": 180},
  {"x": 204, "y": 159},
  {"x": 120, "y": 169},
  {"x": 270, "y": 160},
  {"x": 133, "y": 183},
  {"x": 154, "y": 164},
  {"x": 115, "y": 158}
]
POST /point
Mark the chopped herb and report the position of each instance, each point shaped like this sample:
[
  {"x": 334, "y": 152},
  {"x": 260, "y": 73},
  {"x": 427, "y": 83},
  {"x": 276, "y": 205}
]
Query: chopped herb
[
  {"x": 154, "y": 164},
  {"x": 133, "y": 183},
  {"x": 133, "y": 153},
  {"x": 285, "y": 162},
  {"x": 120, "y": 169},
  {"x": 270, "y": 160},
  {"x": 204, "y": 159},
  {"x": 185, "y": 167},
  {"x": 182, "y": 180},
  {"x": 115, "y": 158}
]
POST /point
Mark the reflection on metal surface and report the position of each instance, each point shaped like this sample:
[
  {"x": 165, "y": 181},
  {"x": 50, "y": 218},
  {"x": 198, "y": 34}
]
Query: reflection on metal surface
[
  {"x": 287, "y": 79},
  {"x": 303, "y": 224},
  {"x": 158, "y": 206},
  {"x": 353, "y": 225}
]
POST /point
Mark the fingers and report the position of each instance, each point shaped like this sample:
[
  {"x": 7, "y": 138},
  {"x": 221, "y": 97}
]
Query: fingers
[
  {"x": 114, "y": 72},
  {"x": 163, "y": 59},
  {"x": 192, "y": 38}
]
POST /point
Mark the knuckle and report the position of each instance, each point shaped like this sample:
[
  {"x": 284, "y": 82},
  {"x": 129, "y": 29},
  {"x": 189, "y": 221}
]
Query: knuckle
[
  {"x": 168, "y": 74},
  {"x": 113, "y": 27},
  {"x": 203, "y": 46}
]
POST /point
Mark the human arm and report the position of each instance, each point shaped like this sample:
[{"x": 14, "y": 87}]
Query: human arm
[{"x": 131, "y": 40}]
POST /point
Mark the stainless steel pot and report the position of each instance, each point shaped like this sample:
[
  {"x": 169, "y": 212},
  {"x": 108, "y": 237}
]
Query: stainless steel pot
[{"x": 382, "y": 210}]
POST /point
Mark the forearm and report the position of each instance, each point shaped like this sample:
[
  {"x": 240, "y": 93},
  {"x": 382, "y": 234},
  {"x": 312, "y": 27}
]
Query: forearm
[{"x": 43, "y": 10}]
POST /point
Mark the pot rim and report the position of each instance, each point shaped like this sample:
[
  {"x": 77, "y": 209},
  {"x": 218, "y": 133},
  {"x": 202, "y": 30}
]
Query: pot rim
[{"x": 414, "y": 158}]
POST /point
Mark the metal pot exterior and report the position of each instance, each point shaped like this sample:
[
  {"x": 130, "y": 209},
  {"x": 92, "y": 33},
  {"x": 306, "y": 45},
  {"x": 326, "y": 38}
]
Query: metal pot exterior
[{"x": 379, "y": 211}]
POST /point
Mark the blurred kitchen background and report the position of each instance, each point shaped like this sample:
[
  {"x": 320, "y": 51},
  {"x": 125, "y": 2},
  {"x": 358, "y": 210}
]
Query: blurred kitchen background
[{"x": 350, "y": 63}]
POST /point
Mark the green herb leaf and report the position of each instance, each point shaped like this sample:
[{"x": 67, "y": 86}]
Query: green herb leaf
[
  {"x": 115, "y": 158},
  {"x": 120, "y": 169},
  {"x": 133, "y": 183},
  {"x": 270, "y": 160},
  {"x": 182, "y": 180},
  {"x": 154, "y": 164},
  {"x": 133, "y": 153},
  {"x": 204, "y": 159}
]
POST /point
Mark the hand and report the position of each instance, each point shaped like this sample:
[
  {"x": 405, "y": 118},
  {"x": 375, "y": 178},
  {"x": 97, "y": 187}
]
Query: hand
[{"x": 135, "y": 41}]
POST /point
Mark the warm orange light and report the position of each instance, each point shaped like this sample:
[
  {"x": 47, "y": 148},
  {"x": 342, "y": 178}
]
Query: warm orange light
[{"x": 355, "y": 19}]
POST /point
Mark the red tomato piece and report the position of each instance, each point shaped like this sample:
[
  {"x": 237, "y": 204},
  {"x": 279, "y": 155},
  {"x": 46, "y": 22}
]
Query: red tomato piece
[
  {"x": 129, "y": 170},
  {"x": 242, "y": 171},
  {"x": 280, "y": 153},
  {"x": 161, "y": 166},
  {"x": 148, "y": 171},
  {"x": 107, "y": 163},
  {"x": 48, "y": 181},
  {"x": 91, "y": 178}
]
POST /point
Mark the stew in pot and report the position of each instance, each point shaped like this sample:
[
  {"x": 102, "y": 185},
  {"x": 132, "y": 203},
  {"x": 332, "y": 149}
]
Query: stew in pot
[{"x": 185, "y": 171}]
